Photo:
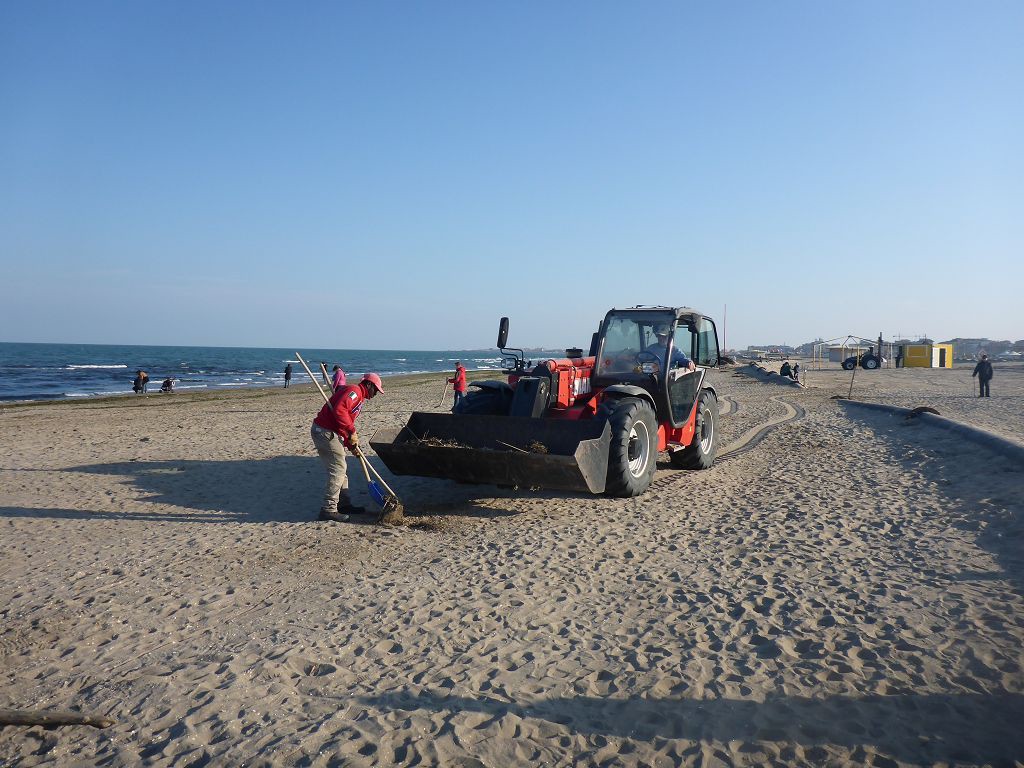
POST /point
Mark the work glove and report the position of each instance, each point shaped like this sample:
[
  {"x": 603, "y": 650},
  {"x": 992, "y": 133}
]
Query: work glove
[{"x": 353, "y": 442}]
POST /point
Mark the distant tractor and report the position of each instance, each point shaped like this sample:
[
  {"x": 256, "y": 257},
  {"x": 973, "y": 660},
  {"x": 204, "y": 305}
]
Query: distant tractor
[
  {"x": 868, "y": 360},
  {"x": 590, "y": 423}
]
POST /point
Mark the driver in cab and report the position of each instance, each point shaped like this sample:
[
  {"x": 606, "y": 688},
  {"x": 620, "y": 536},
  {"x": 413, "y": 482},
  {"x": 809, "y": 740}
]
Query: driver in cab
[{"x": 679, "y": 360}]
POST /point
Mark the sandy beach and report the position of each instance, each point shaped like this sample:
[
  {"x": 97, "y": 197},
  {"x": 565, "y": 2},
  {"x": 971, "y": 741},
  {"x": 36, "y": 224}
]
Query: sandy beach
[{"x": 841, "y": 588}]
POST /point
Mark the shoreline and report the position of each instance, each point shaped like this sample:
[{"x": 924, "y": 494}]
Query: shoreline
[{"x": 166, "y": 398}]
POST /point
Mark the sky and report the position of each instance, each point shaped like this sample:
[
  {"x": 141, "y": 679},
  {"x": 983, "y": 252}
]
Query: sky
[{"x": 401, "y": 175}]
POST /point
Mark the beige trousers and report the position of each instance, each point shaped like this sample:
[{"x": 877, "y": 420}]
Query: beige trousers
[{"x": 332, "y": 454}]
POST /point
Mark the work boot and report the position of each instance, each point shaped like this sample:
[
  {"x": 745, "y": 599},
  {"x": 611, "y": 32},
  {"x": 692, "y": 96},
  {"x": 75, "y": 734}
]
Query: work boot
[{"x": 333, "y": 515}]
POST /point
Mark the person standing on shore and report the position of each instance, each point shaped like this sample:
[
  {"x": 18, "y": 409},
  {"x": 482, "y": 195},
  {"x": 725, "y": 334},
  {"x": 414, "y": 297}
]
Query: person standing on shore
[
  {"x": 459, "y": 382},
  {"x": 287, "y": 375},
  {"x": 141, "y": 380},
  {"x": 338, "y": 379},
  {"x": 983, "y": 370},
  {"x": 334, "y": 431}
]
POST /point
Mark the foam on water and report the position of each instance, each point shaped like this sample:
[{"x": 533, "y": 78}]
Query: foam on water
[{"x": 54, "y": 371}]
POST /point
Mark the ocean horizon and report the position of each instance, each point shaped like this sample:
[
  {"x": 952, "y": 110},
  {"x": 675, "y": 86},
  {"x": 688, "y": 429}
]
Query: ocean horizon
[{"x": 48, "y": 371}]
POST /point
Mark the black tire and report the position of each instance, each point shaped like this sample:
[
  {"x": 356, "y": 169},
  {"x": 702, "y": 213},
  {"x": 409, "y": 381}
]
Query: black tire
[
  {"x": 870, "y": 362},
  {"x": 633, "y": 453},
  {"x": 701, "y": 453},
  {"x": 486, "y": 401},
  {"x": 849, "y": 364}
]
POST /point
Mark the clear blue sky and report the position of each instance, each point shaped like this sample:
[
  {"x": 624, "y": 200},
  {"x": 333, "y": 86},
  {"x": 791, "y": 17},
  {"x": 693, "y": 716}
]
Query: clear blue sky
[{"x": 399, "y": 175}]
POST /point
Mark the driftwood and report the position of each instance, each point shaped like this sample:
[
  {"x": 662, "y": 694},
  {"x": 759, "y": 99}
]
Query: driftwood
[{"x": 50, "y": 718}]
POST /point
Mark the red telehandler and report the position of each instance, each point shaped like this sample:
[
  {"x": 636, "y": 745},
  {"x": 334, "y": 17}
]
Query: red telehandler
[{"x": 590, "y": 423}]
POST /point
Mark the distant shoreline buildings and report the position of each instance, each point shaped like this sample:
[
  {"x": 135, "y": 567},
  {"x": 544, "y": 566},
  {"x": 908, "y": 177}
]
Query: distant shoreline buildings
[{"x": 963, "y": 349}]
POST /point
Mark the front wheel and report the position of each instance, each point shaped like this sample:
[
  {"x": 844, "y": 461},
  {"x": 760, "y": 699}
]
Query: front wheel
[
  {"x": 849, "y": 364},
  {"x": 700, "y": 454},
  {"x": 870, "y": 362},
  {"x": 632, "y": 455},
  {"x": 486, "y": 401}
]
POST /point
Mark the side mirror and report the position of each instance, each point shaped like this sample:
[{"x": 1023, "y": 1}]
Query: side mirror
[{"x": 502, "y": 333}]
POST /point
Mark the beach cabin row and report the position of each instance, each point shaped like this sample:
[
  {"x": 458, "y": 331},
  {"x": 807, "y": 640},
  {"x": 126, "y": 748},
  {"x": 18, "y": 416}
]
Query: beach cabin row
[{"x": 927, "y": 356}]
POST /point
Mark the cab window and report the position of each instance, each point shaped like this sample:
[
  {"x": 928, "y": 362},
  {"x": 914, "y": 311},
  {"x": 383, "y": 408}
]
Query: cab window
[
  {"x": 683, "y": 340},
  {"x": 622, "y": 340},
  {"x": 707, "y": 343}
]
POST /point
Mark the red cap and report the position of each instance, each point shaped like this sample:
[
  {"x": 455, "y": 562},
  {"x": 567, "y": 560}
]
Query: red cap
[{"x": 374, "y": 379}]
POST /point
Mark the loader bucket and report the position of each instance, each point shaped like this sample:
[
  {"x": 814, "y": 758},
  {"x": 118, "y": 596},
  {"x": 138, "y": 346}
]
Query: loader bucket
[{"x": 477, "y": 449}]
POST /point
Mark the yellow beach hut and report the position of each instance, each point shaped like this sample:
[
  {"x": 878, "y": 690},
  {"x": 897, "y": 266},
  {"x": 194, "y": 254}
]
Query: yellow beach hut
[{"x": 927, "y": 356}]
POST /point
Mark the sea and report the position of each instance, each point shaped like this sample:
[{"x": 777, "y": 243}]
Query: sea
[{"x": 60, "y": 371}]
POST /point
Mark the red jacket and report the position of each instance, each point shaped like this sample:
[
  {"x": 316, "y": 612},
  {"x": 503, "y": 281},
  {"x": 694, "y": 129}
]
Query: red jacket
[
  {"x": 459, "y": 380},
  {"x": 339, "y": 415}
]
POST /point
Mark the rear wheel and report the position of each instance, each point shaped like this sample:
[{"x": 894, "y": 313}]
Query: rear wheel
[
  {"x": 632, "y": 455},
  {"x": 486, "y": 401},
  {"x": 700, "y": 454}
]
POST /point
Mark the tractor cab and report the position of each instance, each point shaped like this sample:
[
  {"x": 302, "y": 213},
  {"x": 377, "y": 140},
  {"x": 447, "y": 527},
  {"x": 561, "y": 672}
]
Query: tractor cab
[{"x": 650, "y": 348}]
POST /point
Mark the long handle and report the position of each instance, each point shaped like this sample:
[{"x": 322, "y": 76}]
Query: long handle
[
  {"x": 363, "y": 462},
  {"x": 443, "y": 393},
  {"x": 327, "y": 376},
  {"x": 377, "y": 475},
  {"x": 313, "y": 379}
]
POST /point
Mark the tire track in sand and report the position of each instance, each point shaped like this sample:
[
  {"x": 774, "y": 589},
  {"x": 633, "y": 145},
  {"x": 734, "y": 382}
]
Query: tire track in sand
[
  {"x": 753, "y": 436},
  {"x": 733, "y": 406},
  {"x": 749, "y": 439}
]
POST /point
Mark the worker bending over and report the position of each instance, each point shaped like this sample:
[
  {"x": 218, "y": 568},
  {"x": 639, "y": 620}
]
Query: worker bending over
[{"x": 334, "y": 430}]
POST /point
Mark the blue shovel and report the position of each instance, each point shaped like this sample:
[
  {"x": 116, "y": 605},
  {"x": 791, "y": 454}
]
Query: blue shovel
[{"x": 392, "y": 511}]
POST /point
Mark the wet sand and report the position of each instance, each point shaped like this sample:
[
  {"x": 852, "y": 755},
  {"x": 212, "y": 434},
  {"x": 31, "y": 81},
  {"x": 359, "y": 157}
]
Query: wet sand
[{"x": 843, "y": 588}]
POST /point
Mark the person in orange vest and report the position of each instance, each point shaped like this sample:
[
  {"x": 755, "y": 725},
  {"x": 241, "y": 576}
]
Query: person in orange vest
[
  {"x": 460, "y": 385},
  {"x": 334, "y": 430}
]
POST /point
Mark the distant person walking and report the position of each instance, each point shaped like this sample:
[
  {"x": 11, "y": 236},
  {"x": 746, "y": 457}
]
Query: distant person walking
[
  {"x": 983, "y": 370},
  {"x": 796, "y": 371},
  {"x": 287, "y": 375},
  {"x": 338, "y": 379},
  {"x": 459, "y": 382},
  {"x": 141, "y": 380},
  {"x": 334, "y": 430}
]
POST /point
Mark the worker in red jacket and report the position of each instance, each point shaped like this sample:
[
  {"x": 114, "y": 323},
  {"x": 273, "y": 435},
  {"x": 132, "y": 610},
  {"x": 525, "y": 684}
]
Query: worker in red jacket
[
  {"x": 334, "y": 430},
  {"x": 460, "y": 385}
]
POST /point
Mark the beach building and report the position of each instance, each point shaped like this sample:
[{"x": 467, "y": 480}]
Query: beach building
[{"x": 927, "y": 355}]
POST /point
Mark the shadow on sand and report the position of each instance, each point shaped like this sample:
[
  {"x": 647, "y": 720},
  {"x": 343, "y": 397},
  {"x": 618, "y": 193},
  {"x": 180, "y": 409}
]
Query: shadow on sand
[
  {"x": 282, "y": 489},
  {"x": 917, "y": 729},
  {"x": 984, "y": 503}
]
